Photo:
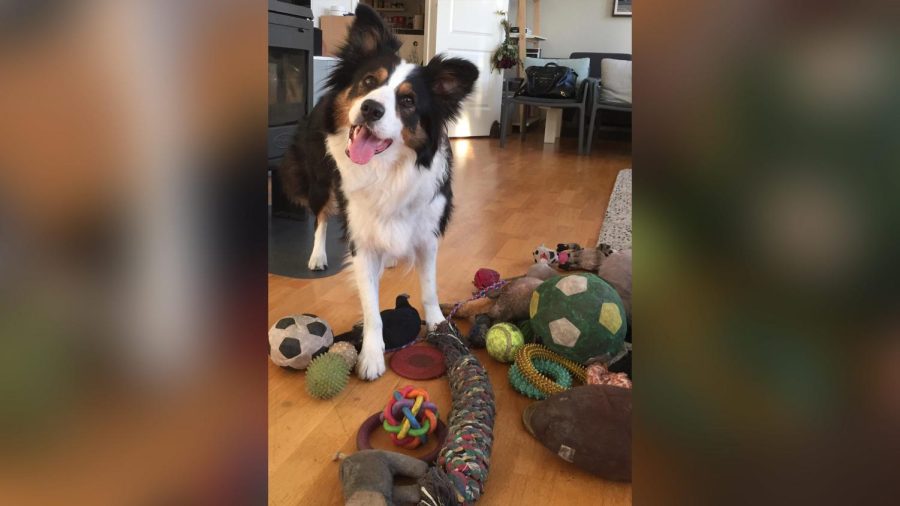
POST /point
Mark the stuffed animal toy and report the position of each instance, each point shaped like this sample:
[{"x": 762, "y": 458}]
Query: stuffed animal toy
[
  {"x": 579, "y": 316},
  {"x": 542, "y": 271},
  {"x": 506, "y": 304},
  {"x": 367, "y": 478},
  {"x": 477, "y": 337},
  {"x": 614, "y": 266},
  {"x": 601, "y": 447},
  {"x": 401, "y": 326},
  {"x": 598, "y": 374},
  {"x": 295, "y": 340},
  {"x": 543, "y": 254},
  {"x": 616, "y": 270},
  {"x": 572, "y": 256}
]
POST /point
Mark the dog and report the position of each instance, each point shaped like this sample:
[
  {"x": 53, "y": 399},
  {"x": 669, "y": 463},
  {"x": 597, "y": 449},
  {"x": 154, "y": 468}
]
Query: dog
[{"x": 378, "y": 155}]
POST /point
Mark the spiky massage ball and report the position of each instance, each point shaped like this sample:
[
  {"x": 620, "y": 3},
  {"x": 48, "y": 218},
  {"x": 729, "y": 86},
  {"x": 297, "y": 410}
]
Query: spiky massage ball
[
  {"x": 346, "y": 351},
  {"x": 326, "y": 376}
]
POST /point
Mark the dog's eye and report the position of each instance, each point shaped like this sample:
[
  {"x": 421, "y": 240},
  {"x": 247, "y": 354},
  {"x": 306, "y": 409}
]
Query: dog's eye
[
  {"x": 407, "y": 101},
  {"x": 369, "y": 82}
]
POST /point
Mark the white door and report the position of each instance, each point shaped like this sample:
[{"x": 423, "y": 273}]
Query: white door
[{"x": 471, "y": 29}]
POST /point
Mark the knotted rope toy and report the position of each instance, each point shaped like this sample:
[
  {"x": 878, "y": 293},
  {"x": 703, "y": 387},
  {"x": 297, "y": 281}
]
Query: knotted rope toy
[
  {"x": 526, "y": 360},
  {"x": 410, "y": 417},
  {"x": 461, "y": 470}
]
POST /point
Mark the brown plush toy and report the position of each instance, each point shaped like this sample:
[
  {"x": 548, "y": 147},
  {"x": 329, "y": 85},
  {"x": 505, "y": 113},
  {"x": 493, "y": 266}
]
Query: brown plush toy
[
  {"x": 616, "y": 270},
  {"x": 614, "y": 266},
  {"x": 507, "y": 304},
  {"x": 589, "y": 426},
  {"x": 367, "y": 478},
  {"x": 572, "y": 256}
]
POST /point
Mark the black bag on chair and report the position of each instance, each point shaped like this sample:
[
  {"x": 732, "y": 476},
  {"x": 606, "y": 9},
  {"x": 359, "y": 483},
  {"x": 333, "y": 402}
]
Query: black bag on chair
[{"x": 549, "y": 81}]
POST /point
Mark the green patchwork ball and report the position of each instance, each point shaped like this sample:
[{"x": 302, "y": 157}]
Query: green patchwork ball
[{"x": 579, "y": 316}]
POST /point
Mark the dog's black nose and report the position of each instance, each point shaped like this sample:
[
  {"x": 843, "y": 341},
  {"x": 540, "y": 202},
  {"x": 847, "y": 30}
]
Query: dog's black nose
[{"x": 371, "y": 110}]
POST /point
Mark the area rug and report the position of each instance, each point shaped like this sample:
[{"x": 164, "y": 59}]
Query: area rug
[
  {"x": 291, "y": 242},
  {"x": 616, "y": 229}
]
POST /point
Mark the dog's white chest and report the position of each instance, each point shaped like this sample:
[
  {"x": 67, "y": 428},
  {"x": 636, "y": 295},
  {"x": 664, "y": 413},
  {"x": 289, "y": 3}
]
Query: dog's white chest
[{"x": 393, "y": 207}]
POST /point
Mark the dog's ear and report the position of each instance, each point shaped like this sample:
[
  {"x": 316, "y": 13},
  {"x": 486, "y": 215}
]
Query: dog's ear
[
  {"x": 451, "y": 80},
  {"x": 368, "y": 35}
]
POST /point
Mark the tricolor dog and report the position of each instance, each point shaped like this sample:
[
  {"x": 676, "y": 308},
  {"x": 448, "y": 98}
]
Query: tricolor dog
[{"x": 377, "y": 153}]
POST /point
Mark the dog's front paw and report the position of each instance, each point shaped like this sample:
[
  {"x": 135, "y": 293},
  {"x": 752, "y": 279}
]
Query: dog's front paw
[
  {"x": 370, "y": 365},
  {"x": 433, "y": 317},
  {"x": 318, "y": 261}
]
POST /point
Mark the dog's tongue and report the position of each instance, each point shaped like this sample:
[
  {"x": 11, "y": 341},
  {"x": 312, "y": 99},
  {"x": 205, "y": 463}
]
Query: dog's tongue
[{"x": 363, "y": 145}]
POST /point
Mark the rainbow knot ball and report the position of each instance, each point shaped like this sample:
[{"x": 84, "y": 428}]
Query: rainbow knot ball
[{"x": 410, "y": 417}]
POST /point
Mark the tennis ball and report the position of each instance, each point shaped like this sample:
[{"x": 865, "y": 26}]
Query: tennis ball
[{"x": 503, "y": 341}]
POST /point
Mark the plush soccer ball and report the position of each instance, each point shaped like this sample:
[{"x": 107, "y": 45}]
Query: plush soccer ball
[
  {"x": 295, "y": 340},
  {"x": 503, "y": 341},
  {"x": 579, "y": 316}
]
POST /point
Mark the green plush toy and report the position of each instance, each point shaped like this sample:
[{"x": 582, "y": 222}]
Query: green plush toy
[
  {"x": 327, "y": 375},
  {"x": 579, "y": 316}
]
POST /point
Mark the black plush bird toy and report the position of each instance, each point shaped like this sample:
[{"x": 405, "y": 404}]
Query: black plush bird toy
[{"x": 401, "y": 326}]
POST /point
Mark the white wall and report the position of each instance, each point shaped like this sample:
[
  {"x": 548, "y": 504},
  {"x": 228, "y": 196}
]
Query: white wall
[
  {"x": 578, "y": 25},
  {"x": 318, "y": 7}
]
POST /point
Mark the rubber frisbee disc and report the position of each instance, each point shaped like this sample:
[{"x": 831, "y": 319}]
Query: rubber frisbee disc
[{"x": 418, "y": 362}]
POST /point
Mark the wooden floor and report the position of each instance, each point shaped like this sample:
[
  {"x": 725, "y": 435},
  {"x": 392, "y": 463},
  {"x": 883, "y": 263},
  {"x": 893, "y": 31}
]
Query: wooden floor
[{"x": 508, "y": 201}]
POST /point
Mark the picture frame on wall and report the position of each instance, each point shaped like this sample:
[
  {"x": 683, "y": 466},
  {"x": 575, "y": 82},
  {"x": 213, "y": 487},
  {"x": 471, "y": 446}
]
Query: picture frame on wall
[{"x": 621, "y": 8}]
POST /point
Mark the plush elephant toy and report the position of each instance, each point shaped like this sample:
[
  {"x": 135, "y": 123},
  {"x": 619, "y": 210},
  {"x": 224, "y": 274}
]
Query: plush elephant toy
[{"x": 367, "y": 478}]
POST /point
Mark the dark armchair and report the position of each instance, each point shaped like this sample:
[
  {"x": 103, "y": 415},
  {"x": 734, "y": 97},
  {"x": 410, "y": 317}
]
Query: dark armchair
[
  {"x": 597, "y": 102},
  {"x": 510, "y": 101}
]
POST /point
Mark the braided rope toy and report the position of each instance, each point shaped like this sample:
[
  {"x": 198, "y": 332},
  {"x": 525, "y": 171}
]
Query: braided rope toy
[
  {"x": 531, "y": 352},
  {"x": 461, "y": 470},
  {"x": 410, "y": 417},
  {"x": 559, "y": 374}
]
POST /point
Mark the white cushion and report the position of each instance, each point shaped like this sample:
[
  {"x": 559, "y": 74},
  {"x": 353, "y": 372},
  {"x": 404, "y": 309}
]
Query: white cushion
[{"x": 615, "y": 80}]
